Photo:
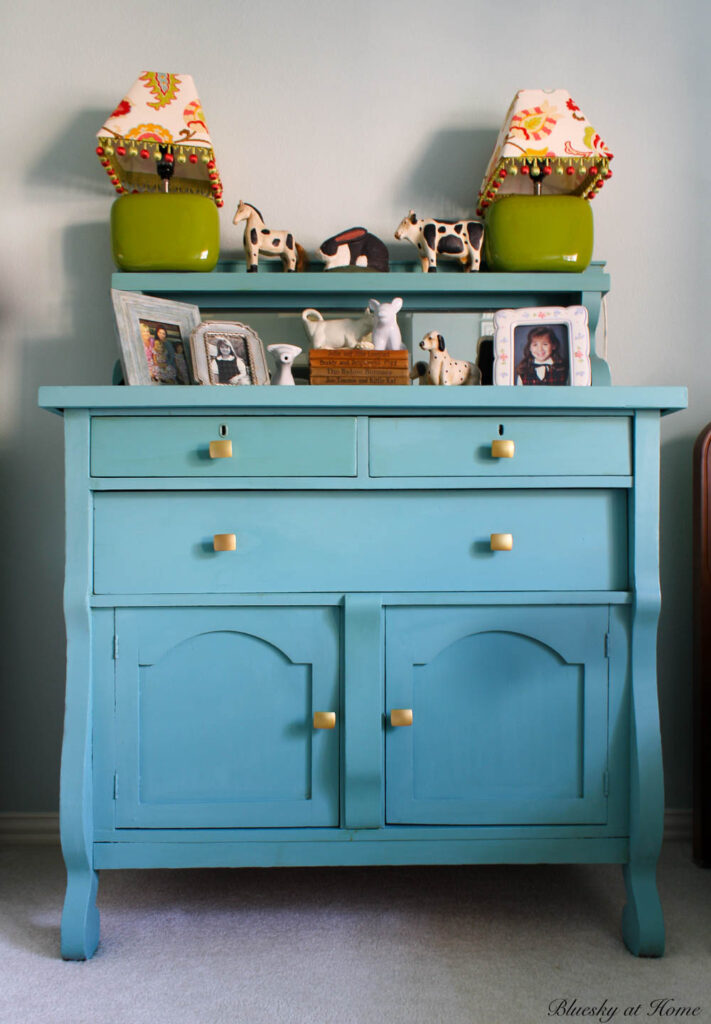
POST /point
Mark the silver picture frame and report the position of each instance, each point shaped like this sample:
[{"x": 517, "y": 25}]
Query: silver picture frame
[{"x": 228, "y": 352}]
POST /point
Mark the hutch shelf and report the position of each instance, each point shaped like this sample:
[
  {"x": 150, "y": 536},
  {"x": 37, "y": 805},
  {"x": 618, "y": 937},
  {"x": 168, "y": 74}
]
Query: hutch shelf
[{"x": 364, "y": 631}]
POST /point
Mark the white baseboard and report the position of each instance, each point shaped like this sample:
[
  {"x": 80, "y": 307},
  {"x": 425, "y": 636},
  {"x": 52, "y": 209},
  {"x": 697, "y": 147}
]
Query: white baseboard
[{"x": 38, "y": 829}]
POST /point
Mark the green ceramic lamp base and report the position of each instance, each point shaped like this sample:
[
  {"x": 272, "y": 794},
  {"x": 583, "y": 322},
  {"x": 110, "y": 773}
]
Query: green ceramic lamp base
[
  {"x": 159, "y": 231},
  {"x": 546, "y": 233}
]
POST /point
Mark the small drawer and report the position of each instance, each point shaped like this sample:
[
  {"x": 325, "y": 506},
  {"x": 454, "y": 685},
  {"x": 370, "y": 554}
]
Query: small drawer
[
  {"x": 326, "y": 541},
  {"x": 174, "y": 446},
  {"x": 542, "y": 446}
]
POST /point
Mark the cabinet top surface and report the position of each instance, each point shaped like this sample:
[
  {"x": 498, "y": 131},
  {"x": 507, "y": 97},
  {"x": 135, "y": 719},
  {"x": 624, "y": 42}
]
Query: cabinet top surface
[{"x": 168, "y": 399}]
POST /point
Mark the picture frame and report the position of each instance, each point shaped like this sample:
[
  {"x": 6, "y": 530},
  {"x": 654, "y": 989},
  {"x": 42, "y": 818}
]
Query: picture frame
[
  {"x": 544, "y": 345},
  {"x": 154, "y": 338},
  {"x": 228, "y": 352}
]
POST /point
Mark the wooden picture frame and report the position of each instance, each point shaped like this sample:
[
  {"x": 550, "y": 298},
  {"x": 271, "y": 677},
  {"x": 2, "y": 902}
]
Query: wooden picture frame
[
  {"x": 154, "y": 338},
  {"x": 546, "y": 345},
  {"x": 228, "y": 352}
]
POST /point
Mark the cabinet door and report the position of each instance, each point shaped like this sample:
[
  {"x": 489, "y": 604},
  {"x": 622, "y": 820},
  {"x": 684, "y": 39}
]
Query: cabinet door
[
  {"x": 214, "y": 717},
  {"x": 509, "y": 715}
]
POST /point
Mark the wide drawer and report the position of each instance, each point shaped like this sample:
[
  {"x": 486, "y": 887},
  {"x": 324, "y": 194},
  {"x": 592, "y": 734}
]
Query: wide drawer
[
  {"x": 327, "y": 541},
  {"x": 543, "y": 446},
  {"x": 160, "y": 446}
]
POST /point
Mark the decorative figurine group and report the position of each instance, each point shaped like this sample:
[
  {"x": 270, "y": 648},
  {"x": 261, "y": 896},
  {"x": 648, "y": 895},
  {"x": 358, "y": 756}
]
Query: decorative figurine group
[{"x": 358, "y": 249}]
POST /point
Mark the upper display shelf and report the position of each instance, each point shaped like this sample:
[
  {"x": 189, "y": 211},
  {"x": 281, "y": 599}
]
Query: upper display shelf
[{"x": 453, "y": 290}]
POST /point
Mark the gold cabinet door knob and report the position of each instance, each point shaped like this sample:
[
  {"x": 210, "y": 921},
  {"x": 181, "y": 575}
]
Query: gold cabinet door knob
[
  {"x": 501, "y": 541},
  {"x": 502, "y": 449},
  {"x": 220, "y": 449},
  {"x": 401, "y": 716},
  {"x": 324, "y": 719},
  {"x": 225, "y": 542}
]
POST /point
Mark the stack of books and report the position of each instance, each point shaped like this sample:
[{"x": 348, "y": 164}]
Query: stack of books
[{"x": 358, "y": 366}]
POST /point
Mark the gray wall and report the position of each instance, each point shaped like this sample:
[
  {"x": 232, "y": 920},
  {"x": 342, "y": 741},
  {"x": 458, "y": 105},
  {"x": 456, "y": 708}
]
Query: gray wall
[{"x": 327, "y": 114}]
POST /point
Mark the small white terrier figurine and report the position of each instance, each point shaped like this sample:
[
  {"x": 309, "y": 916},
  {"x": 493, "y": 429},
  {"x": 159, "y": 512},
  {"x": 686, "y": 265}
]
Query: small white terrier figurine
[
  {"x": 386, "y": 333},
  {"x": 284, "y": 356}
]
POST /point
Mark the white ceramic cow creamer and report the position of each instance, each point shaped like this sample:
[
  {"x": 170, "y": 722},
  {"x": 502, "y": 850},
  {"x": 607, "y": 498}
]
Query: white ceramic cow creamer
[
  {"x": 339, "y": 333},
  {"x": 386, "y": 333}
]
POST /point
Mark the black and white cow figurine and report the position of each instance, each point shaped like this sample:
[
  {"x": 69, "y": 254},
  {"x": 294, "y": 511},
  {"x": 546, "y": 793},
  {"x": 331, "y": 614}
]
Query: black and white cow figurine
[
  {"x": 452, "y": 239},
  {"x": 355, "y": 247}
]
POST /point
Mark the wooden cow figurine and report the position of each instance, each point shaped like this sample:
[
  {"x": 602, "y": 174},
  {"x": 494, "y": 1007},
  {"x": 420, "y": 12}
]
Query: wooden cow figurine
[
  {"x": 442, "y": 368},
  {"x": 260, "y": 239},
  {"x": 459, "y": 240},
  {"x": 355, "y": 247}
]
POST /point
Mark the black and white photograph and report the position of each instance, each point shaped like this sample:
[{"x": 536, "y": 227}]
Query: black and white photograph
[{"x": 227, "y": 352}]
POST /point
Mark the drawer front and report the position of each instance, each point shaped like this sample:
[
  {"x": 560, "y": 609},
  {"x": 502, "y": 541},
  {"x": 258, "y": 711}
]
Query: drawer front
[
  {"x": 160, "y": 446},
  {"x": 329, "y": 541},
  {"x": 543, "y": 446}
]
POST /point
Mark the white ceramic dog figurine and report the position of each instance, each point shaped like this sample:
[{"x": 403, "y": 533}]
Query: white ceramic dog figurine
[
  {"x": 386, "y": 333},
  {"x": 443, "y": 369},
  {"x": 284, "y": 356},
  {"x": 337, "y": 333}
]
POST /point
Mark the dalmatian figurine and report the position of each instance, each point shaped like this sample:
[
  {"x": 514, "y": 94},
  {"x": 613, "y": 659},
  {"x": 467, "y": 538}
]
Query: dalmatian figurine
[
  {"x": 442, "y": 368},
  {"x": 386, "y": 333}
]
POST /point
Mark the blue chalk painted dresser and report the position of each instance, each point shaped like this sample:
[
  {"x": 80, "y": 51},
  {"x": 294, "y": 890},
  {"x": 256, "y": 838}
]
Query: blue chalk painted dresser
[{"x": 362, "y": 625}]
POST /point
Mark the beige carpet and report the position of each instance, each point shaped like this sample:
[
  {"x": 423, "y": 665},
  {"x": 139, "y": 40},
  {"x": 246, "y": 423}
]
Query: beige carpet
[{"x": 462, "y": 945}]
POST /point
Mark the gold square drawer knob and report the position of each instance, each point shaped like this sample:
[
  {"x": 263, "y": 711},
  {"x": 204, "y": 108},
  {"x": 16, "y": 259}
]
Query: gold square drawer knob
[
  {"x": 324, "y": 719},
  {"x": 502, "y": 449},
  {"x": 225, "y": 542},
  {"x": 220, "y": 449},
  {"x": 502, "y": 542},
  {"x": 401, "y": 716}
]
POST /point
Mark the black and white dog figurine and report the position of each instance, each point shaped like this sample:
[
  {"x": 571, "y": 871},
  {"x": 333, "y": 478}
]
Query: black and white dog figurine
[{"x": 442, "y": 369}]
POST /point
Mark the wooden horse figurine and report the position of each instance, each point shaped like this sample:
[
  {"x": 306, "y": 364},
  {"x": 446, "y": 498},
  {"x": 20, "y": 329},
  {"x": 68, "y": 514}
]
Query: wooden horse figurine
[{"x": 260, "y": 239}]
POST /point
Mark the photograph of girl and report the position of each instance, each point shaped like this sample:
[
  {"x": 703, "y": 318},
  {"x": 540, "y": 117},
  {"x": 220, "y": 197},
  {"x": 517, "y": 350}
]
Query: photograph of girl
[
  {"x": 541, "y": 356},
  {"x": 229, "y": 361}
]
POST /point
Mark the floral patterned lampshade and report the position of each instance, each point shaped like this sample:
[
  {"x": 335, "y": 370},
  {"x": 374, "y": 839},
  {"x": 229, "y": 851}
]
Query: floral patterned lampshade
[
  {"x": 158, "y": 134},
  {"x": 548, "y": 140}
]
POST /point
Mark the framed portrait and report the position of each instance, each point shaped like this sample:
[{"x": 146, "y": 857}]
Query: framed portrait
[
  {"x": 228, "y": 353},
  {"x": 542, "y": 346},
  {"x": 154, "y": 338}
]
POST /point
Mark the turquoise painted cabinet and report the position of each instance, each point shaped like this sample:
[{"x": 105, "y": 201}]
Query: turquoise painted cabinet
[
  {"x": 363, "y": 636},
  {"x": 486, "y": 705}
]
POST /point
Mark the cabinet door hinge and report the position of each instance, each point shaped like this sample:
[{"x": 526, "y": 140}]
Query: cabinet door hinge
[
  {"x": 116, "y": 647},
  {"x": 605, "y": 783},
  {"x": 115, "y": 785}
]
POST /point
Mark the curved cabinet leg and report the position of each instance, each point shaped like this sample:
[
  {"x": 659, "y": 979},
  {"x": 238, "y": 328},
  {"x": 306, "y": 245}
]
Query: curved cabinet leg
[
  {"x": 642, "y": 919},
  {"x": 80, "y": 918}
]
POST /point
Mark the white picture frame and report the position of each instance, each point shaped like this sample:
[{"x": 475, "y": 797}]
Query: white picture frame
[
  {"x": 154, "y": 338},
  {"x": 560, "y": 331},
  {"x": 228, "y": 352}
]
